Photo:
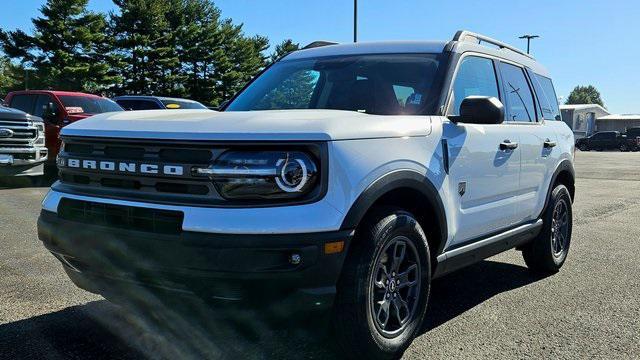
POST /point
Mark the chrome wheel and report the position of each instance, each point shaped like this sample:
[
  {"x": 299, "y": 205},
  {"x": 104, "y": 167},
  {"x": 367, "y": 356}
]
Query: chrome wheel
[
  {"x": 395, "y": 286},
  {"x": 559, "y": 228}
]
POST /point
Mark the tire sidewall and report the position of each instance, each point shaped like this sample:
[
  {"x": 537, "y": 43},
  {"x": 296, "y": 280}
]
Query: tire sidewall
[
  {"x": 560, "y": 192},
  {"x": 398, "y": 223}
]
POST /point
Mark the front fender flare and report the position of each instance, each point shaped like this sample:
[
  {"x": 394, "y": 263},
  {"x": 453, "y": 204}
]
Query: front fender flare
[{"x": 396, "y": 180}]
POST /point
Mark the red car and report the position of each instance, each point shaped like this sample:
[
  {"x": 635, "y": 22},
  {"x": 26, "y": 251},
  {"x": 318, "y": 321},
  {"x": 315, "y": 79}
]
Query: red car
[{"x": 58, "y": 108}]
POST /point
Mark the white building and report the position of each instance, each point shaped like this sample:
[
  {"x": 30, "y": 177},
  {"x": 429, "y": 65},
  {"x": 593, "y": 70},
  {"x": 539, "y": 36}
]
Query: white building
[
  {"x": 617, "y": 122},
  {"x": 582, "y": 118}
]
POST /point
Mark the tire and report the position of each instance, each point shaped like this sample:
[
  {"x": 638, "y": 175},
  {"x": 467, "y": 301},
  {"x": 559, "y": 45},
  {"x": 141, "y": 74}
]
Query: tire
[
  {"x": 359, "y": 323},
  {"x": 623, "y": 147},
  {"x": 583, "y": 147},
  {"x": 548, "y": 251}
]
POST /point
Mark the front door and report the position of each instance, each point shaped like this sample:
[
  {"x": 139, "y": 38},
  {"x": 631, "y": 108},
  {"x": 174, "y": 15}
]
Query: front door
[{"x": 485, "y": 175}]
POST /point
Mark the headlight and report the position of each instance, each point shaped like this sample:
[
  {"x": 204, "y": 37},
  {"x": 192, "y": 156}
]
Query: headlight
[{"x": 262, "y": 174}]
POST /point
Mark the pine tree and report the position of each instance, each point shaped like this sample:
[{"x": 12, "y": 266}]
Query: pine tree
[
  {"x": 284, "y": 48},
  {"x": 65, "y": 48},
  {"x": 144, "y": 46},
  {"x": 10, "y": 76}
]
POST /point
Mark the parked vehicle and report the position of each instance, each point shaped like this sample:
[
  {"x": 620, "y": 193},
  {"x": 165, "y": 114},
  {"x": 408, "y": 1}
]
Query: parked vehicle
[
  {"x": 22, "y": 144},
  {"x": 58, "y": 109},
  {"x": 343, "y": 178},
  {"x": 607, "y": 140},
  {"x": 139, "y": 102},
  {"x": 633, "y": 135}
]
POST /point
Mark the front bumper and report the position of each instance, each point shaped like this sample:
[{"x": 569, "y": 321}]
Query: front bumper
[
  {"x": 252, "y": 270},
  {"x": 22, "y": 162}
]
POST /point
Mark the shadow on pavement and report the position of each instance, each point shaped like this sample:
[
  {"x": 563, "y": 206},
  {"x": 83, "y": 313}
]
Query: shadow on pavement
[
  {"x": 456, "y": 293},
  {"x": 20, "y": 182},
  {"x": 99, "y": 330}
]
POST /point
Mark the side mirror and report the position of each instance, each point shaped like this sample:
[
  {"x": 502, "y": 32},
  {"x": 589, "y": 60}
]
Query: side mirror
[
  {"x": 480, "y": 110},
  {"x": 50, "y": 114}
]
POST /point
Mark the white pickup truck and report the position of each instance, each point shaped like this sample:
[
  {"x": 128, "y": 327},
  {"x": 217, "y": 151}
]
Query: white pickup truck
[{"x": 343, "y": 178}]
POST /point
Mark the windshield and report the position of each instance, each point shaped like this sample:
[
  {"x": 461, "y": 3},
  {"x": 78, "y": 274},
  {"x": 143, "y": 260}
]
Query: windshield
[
  {"x": 389, "y": 84},
  {"x": 88, "y": 105},
  {"x": 182, "y": 104}
]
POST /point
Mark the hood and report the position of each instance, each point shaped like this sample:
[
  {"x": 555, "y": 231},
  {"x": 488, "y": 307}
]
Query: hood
[{"x": 274, "y": 125}]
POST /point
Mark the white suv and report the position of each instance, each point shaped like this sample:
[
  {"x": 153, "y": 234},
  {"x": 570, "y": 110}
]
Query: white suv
[{"x": 342, "y": 178}]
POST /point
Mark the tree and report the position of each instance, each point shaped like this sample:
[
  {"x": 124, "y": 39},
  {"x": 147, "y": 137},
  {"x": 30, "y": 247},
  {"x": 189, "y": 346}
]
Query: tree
[
  {"x": 144, "y": 46},
  {"x": 9, "y": 76},
  {"x": 65, "y": 48},
  {"x": 183, "y": 48},
  {"x": 585, "y": 95},
  {"x": 285, "y": 47}
]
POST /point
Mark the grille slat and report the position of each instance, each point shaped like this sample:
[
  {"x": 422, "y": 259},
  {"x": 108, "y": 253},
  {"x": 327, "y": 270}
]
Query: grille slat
[
  {"x": 138, "y": 152},
  {"x": 23, "y": 133},
  {"x": 122, "y": 217}
]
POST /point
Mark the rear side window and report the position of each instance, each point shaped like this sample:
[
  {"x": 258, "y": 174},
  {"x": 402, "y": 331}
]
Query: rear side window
[
  {"x": 547, "y": 97},
  {"x": 24, "y": 103},
  {"x": 138, "y": 104},
  {"x": 520, "y": 105},
  {"x": 476, "y": 76},
  {"x": 182, "y": 104}
]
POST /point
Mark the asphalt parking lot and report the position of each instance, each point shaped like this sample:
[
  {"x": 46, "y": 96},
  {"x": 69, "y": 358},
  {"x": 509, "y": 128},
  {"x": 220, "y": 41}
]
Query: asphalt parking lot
[{"x": 494, "y": 309}]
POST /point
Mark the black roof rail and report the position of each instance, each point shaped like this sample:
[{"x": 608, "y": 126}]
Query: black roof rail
[
  {"x": 319, "y": 43},
  {"x": 464, "y": 35}
]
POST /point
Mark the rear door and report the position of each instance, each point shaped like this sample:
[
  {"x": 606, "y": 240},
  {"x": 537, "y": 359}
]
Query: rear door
[
  {"x": 485, "y": 176},
  {"x": 538, "y": 136}
]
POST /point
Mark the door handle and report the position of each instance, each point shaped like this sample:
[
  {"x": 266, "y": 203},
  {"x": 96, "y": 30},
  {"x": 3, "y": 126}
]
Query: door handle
[
  {"x": 549, "y": 144},
  {"x": 508, "y": 145}
]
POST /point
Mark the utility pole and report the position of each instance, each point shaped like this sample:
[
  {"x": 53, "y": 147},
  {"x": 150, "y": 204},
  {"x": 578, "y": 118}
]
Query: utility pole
[
  {"x": 355, "y": 21},
  {"x": 528, "y": 37}
]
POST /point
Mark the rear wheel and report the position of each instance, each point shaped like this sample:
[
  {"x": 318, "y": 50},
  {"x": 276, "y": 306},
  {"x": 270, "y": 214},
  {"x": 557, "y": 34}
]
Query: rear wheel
[
  {"x": 623, "y": 147},
  {"x": 383, "y": 292},
  {"x": 548, "y": 251}
]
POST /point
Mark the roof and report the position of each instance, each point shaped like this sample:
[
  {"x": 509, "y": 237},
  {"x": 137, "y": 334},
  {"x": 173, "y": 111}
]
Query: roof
[
  {"x": 54, "y": 92},
  {"x": 378, "y": 47},
  {"x": 620, "y": 117},
  {"x": 416, "y": 47},
  {"x": 583, "y": 107}
]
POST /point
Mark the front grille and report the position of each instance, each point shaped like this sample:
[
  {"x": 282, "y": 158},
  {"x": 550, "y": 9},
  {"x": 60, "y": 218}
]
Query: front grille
[
  {"x": 113, "y": 168},
  {"x": 121, "y": 217},
  {"x": 181, "y": 188},
  {"x": 24, "y": 134}
]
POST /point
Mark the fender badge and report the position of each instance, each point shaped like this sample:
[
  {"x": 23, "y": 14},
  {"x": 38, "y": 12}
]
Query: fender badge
[{"x": 462, "y": 187}]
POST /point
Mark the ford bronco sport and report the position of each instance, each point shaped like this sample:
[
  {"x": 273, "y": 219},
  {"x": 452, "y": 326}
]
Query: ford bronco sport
[{"x": 342, "y": 178}]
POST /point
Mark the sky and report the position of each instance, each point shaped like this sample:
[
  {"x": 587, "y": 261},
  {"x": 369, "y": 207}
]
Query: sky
[{"x": 581, "y": 42}]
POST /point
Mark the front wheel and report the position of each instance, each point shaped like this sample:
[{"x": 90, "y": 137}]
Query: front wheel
[
  {"x": 623, "y": 147},
  {"x": 583, "y": 147},
  {"x": 384, "y": 288},
  {"x": 548, "y": 251}
]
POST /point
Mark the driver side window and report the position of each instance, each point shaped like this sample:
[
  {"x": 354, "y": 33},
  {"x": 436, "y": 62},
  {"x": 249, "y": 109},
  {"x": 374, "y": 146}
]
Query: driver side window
[{"x": 476, "y": 76}]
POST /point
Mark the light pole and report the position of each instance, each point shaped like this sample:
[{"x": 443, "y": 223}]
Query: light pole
[
  {"x": 355, "y": 21},
  {"x": 529, "y": 37}
]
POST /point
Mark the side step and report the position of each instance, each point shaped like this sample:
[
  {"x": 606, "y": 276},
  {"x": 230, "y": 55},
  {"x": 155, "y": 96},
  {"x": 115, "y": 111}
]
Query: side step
[{"x": 457, "y": 258}]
